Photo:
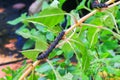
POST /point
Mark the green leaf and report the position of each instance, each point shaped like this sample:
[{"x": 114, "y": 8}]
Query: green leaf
[
  {"x": 59, "y": 52},
  {"x": 24, "y": 32},
  {"x": 48, "y": 17},
  {"x": 96, "y": 20},
  {"x": 81, "y": 5},
  {"x": 50, "y": 36},
  {"x": 41, "y": 45},
  {"x": 45, "y": 67},
  {"x": 108, "y": 21},
  {"x": 14, "y": 22},
  {"x": 80, "y": 46},
  {"x": 17, "y": 20},
  {"x": 92, "y": 36},
  {"x": 53, "y": 54},
  {"x": 61, "y": 2},
  {"x": 56, "y": 30},
  {"x": 105, "y": 55},
  {"x": 31, "y": 54},
  {"x": 41, "y": 28},
  {"x": 110, "y": 44},
  {"x": 85, "y": 61},
  {"x": 105, "y": 35},
  {"x": 28, "y": 44},
  {"x": 68, "y": 52},
  {"x": 113, "y": 10},
  {"x": 37, "y": 36}
]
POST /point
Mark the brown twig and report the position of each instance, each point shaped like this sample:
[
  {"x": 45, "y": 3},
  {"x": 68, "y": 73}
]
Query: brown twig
[
  {"x": 12, "y": 62},
  {"x": 117, "y": 3},
  {"x": 66, "y": 32},
  {"x": 27, "y": 72}
]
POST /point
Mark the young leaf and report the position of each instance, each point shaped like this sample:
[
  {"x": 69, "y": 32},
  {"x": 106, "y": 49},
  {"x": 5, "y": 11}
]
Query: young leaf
[
  {"x": 17, "y": 20},
  {"x": 48, "y": 17},
  {"x": 31, "y": 54}
]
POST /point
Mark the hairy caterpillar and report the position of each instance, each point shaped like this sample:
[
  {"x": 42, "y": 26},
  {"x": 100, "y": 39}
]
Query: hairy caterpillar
[
  {"x": 96, "y": 4},
  {"x": 52, "y": 46}
]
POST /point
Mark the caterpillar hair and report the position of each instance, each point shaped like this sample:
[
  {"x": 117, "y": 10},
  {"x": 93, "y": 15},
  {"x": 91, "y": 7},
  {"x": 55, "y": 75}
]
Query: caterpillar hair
[
  {"x": 52, "y": 46},
  {"x": 96, "y": 4}
]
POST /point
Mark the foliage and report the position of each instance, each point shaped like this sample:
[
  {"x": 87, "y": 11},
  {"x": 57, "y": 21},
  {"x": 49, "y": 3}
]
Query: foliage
[{"x": 94, "y": 45}]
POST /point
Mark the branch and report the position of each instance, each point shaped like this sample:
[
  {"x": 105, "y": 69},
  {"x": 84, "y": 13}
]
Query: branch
[
  {"x": 117, "y": 3},
  {"x": 13, "y": 62},
  {"x": 27, "y": 72}
]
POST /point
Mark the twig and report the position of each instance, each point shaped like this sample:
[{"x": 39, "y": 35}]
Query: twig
[
  {"x": 117, "y": 3},
  {"x": 66, "y": 32},
  {"x": 12, "y": 62},
  {"x": 29, "y": 69}
]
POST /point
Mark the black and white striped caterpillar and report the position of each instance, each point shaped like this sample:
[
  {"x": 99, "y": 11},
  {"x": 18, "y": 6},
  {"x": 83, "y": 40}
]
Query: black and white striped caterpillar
[{"x": 52, "y": 46}]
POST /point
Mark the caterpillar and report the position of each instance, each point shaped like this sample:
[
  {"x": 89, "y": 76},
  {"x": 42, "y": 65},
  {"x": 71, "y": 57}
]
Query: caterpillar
[
  {"x": 52, "y": 46},
  {"x": 96, "y": 4}
]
